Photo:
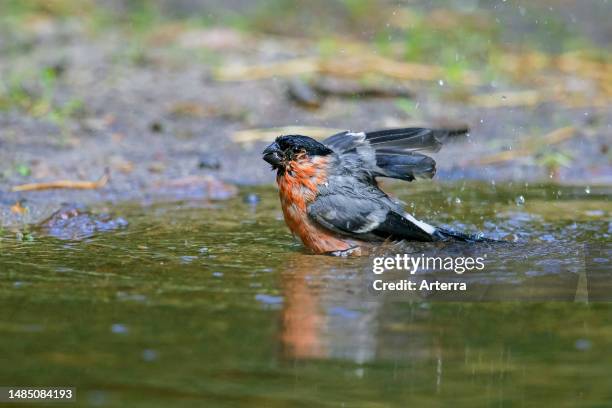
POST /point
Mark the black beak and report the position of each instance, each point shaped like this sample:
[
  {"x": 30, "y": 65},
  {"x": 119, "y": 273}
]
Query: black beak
[{"x": 273, "y": 155}]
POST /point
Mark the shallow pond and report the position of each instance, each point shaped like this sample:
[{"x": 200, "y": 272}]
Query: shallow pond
[{"x": 198, "y": 304}]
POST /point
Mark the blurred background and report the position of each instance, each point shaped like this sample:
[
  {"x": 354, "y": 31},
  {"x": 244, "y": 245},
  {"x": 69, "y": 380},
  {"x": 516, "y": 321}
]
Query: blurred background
[{"x": 156, "y": 91}]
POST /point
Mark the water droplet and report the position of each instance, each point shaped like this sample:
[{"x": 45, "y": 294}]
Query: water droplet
[
  {"x": 582, "y": 344},
  {"x": 441, "y": 82},
  {"x": 252, "y": 199},
  {"x": 134, "y": 297},
  {"x": 343, "y": 312},
  {"x": 520, "y": 200},
  {"x": 97, "y": 398},
  {"x": 587, "y": 190},
  {"x": 187, "y": 259},
  {"x": 118, "y": 328},
  {"x": 149, "y": 355},
  {"x": 481, "y": 120},
  {"x": 457, "y": 201},
  {"x": 269, "y": 299},
  {"x": 594, "y": 213},
  {"x": 217, "y": 274}
]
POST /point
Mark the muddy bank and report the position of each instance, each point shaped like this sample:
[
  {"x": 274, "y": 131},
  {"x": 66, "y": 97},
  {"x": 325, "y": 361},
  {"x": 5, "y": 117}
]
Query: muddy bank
[{"x": 156, "y": 116}]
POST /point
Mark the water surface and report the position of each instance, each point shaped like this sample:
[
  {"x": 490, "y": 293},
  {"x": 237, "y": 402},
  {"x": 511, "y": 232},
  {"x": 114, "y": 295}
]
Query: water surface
[{"x": 214, "y": 304}]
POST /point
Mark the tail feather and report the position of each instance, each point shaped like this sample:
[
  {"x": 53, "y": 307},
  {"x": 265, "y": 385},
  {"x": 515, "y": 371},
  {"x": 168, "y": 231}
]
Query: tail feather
[{"x": 444, "y": 234}]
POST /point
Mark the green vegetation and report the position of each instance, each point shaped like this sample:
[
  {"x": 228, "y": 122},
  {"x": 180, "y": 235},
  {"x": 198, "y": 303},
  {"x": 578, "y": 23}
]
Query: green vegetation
[
  {"x": 453, "y": 39},
  {"x": 24, "y": 235},
  {"x": 454, "y": 46},
  {"x": 408, "y": 106},
  {"x": 468, "y": 48},
  {"x": 23, "y": 170},
  {"x": 553, "y": 159},
  {"x": 35, "y": 93}
]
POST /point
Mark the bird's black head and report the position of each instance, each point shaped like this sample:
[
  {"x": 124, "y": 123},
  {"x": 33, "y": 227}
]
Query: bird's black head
[{"x": 288, "y": 148}]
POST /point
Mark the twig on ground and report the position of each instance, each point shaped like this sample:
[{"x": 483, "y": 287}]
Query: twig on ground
[
  {"x": 65, "y": 184},
  {"x": 292, "y": 67}
]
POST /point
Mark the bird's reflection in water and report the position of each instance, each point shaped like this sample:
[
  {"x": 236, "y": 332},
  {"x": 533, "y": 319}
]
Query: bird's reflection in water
[
  {"x": 329, "y": 311},
  {"x": 328, "y": 314},
  {"x": 324, "y": 315},
  {"x": 303, "y": 319}
]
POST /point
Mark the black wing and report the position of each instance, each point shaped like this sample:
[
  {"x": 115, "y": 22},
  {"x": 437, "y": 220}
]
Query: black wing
[
  {"x": 394, "y": 150},
  {"x": 365, "y": 217},
  {"x": 406, "y": 139}
]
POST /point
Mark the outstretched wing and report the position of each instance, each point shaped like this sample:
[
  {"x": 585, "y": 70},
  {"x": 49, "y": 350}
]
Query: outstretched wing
[
  {"x": 393, "y": 152},
  {"x": 405, "y": 139},
  {"x": 366, "y": 217}
]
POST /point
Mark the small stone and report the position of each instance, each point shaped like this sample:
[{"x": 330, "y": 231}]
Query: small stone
[
  {"x": 157, "y": 127},
  {"x": 208, "y": 161},
  {"x": 157, "y": 167},
  {"x": 75, "y": 222},
  {"x": 303, "y": 94}
]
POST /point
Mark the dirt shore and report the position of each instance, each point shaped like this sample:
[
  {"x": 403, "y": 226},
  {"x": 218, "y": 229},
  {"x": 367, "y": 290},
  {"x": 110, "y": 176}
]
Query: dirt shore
[{"x": 164, "y": 127}]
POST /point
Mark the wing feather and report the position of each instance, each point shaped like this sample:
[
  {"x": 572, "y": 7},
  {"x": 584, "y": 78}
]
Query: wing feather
[
  {"x": 393, "y": 152},
  {"x": 366, "y": 217},
  {"x": 406, "y": 139}
]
